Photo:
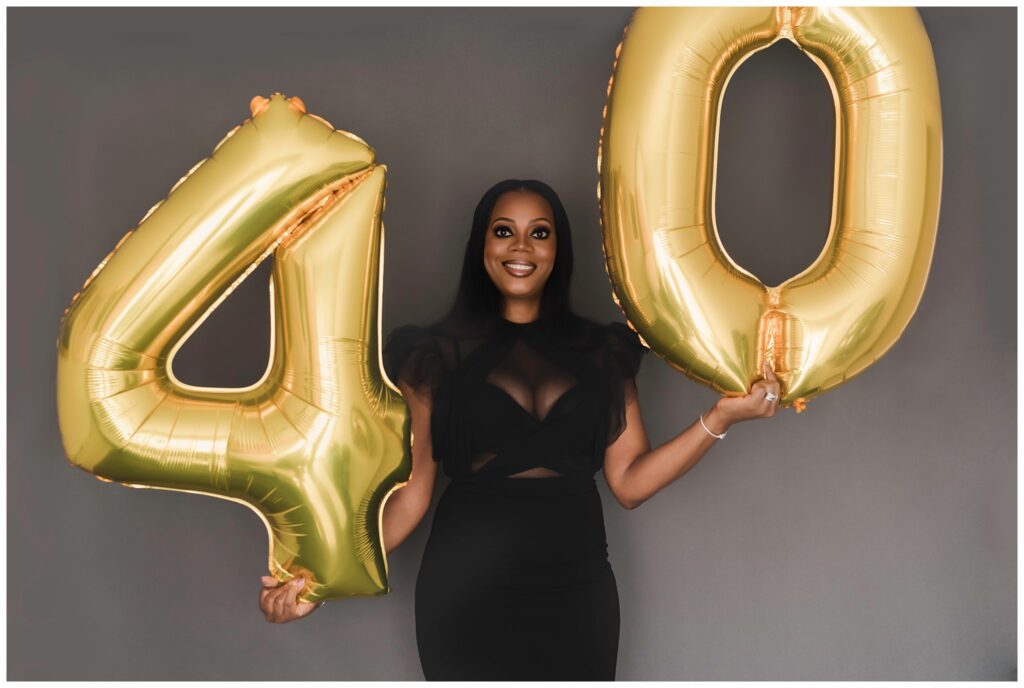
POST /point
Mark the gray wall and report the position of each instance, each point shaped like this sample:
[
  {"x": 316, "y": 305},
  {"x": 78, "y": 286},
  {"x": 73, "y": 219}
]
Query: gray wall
[{"x": 871, "y": 537}]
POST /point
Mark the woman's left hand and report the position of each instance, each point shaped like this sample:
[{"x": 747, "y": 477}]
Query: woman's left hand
[{"x": 754, "y": 404}]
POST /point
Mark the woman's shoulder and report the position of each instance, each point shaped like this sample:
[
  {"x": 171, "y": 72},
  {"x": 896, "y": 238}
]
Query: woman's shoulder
[
  {"x": 614, "y": 338},
  {"x": 612, "y": 333},
  {"x": 414, "y": 353},
  {"x": 623, "y": 334},
  {"x": 625, "y": 348}
]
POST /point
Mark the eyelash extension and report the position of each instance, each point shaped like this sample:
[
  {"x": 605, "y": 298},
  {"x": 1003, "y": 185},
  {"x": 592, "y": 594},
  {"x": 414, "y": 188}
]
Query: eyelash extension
[{"x": 543, "y": 229}]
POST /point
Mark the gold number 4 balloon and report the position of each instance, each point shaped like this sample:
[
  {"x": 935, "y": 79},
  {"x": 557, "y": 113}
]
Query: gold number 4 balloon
[
  {"x": 319, "y": 442},
  {"x": 702, "y": 313}
]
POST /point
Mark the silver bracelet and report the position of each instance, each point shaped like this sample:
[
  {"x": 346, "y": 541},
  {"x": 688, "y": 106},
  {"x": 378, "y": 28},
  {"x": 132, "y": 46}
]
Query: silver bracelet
[{"x": 709, "y": 432}]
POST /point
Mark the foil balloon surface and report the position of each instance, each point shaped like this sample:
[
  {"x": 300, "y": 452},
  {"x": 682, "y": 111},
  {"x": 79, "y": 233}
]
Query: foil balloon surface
[
  {"x": 678, "y": 288},
  {"x": 317, "y": 445}
]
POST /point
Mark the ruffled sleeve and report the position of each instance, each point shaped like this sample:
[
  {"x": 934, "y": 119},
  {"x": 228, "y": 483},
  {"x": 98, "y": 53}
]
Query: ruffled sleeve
[
  {"x": 411, "y": 354},
  {"x": 623, "y": 356}
]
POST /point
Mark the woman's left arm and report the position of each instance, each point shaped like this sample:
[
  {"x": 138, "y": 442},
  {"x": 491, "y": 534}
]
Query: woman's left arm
[{"x": 635, "y": 472}]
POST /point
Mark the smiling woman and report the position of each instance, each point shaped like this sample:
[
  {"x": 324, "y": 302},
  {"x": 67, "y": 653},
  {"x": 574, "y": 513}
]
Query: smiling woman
[
  {"x": 522, "y": 402},
  {"x": 517, "y": 397}
]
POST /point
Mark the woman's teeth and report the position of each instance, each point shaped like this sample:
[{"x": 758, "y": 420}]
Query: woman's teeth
[{"x": 518, "y": 269}]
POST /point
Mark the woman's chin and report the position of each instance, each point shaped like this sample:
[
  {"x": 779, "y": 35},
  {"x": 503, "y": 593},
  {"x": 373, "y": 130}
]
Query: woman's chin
[{"x": 519, "y": 290}]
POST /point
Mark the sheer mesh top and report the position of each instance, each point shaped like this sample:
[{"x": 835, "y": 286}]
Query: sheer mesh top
[{"x": 520, "y": 397}]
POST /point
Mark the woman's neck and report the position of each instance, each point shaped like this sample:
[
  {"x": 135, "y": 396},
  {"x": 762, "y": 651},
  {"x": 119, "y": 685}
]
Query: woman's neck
[{"x": 521, "y": 311}]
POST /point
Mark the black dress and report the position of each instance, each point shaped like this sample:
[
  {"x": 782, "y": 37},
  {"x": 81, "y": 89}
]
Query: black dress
[{"x": 515, "y": 582}]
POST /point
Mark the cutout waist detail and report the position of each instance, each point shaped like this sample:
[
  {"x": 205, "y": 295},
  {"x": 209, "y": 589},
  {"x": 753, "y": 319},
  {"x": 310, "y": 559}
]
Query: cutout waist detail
[{"x": 505, "y": 485}]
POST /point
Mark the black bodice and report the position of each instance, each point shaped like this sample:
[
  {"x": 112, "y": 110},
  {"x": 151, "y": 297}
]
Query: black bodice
[{"x": 521, "y": 395}]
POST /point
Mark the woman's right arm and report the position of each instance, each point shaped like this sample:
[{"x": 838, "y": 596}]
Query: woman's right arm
[{"x": 403, "y": 511}]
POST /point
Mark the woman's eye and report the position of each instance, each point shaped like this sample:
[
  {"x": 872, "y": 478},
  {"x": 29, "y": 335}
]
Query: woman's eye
[
  {"x": 501, "y": 228},
  {"x": 545, "y": 232}
]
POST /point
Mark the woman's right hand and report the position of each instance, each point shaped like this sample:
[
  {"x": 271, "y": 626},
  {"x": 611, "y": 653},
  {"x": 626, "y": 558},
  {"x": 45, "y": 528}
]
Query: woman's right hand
[{"x": 279, "y": 601}]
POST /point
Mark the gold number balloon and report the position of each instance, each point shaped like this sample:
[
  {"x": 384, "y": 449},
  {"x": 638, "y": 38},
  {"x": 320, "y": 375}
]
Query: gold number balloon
[
  {"x": 319, "y": 442},
  {"x": 707, "y": 316}
]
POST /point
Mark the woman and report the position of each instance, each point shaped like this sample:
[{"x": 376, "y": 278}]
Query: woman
[{"x": 523, "y": 402}]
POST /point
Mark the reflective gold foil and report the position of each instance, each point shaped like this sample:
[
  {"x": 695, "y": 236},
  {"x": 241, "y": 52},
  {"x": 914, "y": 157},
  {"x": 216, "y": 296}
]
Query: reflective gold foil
[
  {"x": 678, "y": 288},
  {"x": 319, "y": 442}
]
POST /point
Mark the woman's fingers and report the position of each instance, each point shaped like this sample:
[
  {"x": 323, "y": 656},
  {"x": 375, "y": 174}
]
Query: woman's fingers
[
  {"x": 759, "y": 391},
  {"x": 275, "y": 602},
  {"x": 279, "y": 601},
  {"x": 293, "y": 592},
  {"x": 304, "y": 608},
  {"x": 756, "y": 404},
  {"x": 299, "y": 609},
  {"x": 770, "y": 407},
  {"x": 278, "y": 606},
  {"x": 269, "y": 586},
  {"x": 289, "y": 598},
  {"x": 758, "y": 394},
  {"x": 771, "y": 385},
  {"x": 266, "y": 595},
  {"x": 269, "y": 597}
]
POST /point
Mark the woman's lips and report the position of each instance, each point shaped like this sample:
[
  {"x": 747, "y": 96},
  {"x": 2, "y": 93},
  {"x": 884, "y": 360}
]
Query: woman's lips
[{"x": 518, "y": 270}]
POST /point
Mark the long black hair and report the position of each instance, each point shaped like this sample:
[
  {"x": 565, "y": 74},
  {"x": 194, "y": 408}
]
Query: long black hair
[{"x": 477, "y": 308}]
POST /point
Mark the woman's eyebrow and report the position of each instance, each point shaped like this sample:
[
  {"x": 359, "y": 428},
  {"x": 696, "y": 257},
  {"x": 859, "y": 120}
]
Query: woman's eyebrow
[{"x": 509, "y": 219}]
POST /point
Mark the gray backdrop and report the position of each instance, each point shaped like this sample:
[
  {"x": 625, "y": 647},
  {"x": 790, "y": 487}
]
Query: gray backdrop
[{"x": 871, "y": 537}]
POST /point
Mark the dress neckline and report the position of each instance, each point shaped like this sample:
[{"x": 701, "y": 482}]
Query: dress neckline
[
  {"x": 520, "y": 325},
  {"x": 520, "y": 329}
]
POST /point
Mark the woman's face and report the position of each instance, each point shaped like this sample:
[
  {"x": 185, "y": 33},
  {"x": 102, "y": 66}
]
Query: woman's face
[{"x": 519, "y": 247}]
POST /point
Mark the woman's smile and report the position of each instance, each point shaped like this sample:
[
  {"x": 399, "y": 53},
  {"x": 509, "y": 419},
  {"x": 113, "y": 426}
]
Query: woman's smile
[{"x": 519, "y": 268}]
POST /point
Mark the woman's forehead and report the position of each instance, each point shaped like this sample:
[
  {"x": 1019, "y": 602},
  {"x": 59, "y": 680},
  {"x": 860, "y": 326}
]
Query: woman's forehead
[{"x": 522, "y": 201}]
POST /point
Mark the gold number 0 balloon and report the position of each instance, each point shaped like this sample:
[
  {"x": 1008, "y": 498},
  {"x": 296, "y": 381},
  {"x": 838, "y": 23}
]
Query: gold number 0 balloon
[
  {"x": 695, "y": 307},
  {"x": 314, "y": 447}
]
